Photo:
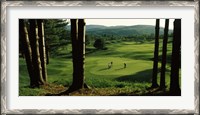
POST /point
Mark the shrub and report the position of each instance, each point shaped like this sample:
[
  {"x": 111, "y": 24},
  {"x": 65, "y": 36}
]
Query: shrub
[{"x": 99, "y": 44}]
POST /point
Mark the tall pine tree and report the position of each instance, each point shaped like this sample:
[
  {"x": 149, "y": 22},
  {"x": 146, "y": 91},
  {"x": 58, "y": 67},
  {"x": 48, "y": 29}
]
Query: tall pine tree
[
  {"x": 155, "y": 62},
  {"x": 78, "y": 54},
  {"x": 175, "y": 59},
  {"x": 55, "y": 35},
  {"x": 25, "y": 43},
  {"x": 164, "y": 55},
  {"x": 35, "y": 52},
  {"x": 42, "y": 48}
]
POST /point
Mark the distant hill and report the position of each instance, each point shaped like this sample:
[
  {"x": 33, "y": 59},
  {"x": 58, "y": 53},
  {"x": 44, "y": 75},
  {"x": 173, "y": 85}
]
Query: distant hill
[
  {"x": 95, "y": 27},
  {"x": 122, "y": 30}
]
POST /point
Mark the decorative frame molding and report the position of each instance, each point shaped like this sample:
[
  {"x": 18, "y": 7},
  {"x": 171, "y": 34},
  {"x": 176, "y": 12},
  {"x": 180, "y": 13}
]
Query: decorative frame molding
[{"x": 5, "y": 4}]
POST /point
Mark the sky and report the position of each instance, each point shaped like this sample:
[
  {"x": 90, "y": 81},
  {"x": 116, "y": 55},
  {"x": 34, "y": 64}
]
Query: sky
[{"x": 127, "y": 22}]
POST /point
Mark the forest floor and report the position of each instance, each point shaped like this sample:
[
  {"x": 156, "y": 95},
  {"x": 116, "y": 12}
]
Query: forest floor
[
  {"x": 133, "y": 80},
  {"x": 55, "y": 90}
]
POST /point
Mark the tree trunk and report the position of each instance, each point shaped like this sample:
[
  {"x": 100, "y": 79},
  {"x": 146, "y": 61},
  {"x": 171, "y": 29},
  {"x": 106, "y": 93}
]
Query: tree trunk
[
  {"x": 81, "y": 38},
  {"x": 175, "y": 63},
  {"x": 39, "y": 67},
  {"x": 164, "y": 53},
  {"x": 78, "y": 54},
  {"x": 35, "y": 52},
  {"x": 155, "y": 62},
  {"x": 27, "y": 50},
  {"x": 42, "y": 48},
  {"x": 47, "y": 52}
]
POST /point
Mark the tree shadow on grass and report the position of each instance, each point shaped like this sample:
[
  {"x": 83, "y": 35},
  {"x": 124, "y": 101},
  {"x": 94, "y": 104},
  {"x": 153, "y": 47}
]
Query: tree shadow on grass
[
  {"x": 119, "y": 68},
  {"x": 103, "y": 69},
  {"x": 142, "y": 76},
  {"x": 90, "y": 50}
]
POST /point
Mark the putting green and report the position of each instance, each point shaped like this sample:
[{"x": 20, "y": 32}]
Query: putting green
[{"x": 99, "y": 66}]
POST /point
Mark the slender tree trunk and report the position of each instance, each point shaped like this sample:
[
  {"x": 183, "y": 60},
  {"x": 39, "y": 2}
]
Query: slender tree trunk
[
  {"x": 47, "y": 52},
  {"x": 164, "y": 55},
  {"x": 27, "y": 50},
  {"x": 175, "y": 63},
  {"x": 81, "y": 38},
  {"x": 35, "y": 52},
  {"x": 155, "y": 63},
  {"x": 78, "y": 54},
  {"x": 42, "y": 48},
  {"x": 75, "y": 51},
  {"x": 33, "y": 48},
  {"x": 39, "y": 67}
]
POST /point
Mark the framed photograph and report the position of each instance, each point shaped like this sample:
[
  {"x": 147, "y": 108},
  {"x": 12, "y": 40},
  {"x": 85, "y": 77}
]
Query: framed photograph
[{"x": 100, "y": 57}]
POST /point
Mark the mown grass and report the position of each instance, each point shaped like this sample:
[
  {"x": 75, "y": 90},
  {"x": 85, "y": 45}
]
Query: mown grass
[{"x": 132, "y": 80}]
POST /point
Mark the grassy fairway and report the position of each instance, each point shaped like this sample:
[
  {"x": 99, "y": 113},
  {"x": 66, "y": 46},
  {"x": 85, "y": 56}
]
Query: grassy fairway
[{"x": 132, "y": 80}]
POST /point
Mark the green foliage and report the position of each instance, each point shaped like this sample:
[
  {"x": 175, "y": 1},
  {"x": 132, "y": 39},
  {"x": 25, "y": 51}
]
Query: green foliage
[
  {"x": 88, "y": 40},
  {"x": 99, "y": 44},
  {"x": 56, "y": 34}
]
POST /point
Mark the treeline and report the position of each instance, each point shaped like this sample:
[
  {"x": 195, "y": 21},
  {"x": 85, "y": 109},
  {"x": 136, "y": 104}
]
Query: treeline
[
  {"x": 101, "y": 41},
  {"x": 140, "y": 38}
]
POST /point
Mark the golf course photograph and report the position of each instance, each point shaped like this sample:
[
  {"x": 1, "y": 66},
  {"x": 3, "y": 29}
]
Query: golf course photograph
[{"x": 99, "y": 57}]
